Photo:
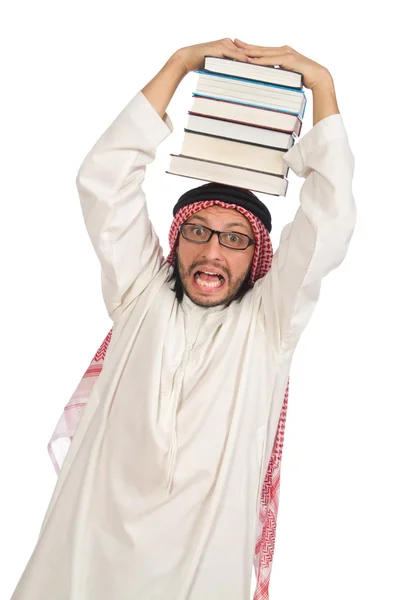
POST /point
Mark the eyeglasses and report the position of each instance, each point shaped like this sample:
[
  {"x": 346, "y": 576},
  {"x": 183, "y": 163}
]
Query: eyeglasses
[{"x": 200, "y": 235}]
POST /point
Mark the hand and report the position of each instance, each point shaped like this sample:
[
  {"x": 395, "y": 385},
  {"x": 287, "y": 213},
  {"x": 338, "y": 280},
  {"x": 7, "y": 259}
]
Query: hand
[
  {"x": 192, "y": 57},
  {"x": 287, "y": 58}
]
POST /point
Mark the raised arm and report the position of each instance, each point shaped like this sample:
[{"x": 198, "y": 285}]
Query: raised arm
[
  {"x": 317, "y": 240},
  {"x": 110, "y": 179},
  {"x": 109, "y": 183}
]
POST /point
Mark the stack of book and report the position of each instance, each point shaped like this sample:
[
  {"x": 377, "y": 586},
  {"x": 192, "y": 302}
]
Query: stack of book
[{"x": 243, "y": 119}]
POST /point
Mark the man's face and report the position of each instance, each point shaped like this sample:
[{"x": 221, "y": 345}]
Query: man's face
[{"x": 231, "y": 265}]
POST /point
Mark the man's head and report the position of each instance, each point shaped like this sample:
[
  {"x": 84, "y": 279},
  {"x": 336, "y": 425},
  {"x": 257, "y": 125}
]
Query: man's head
[
  {"x": 211, "y": 272},
  {"x": 215, "y": 268}
]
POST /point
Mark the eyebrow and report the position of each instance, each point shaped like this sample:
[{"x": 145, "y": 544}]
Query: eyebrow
[{"x": 231, "y": 224}]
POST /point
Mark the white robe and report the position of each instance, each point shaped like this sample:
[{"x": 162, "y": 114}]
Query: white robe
[{"x": 188, "y": 396}]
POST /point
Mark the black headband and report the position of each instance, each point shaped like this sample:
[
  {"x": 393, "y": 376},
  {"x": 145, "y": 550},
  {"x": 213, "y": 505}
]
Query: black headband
[{"x": 229, "y": 194}]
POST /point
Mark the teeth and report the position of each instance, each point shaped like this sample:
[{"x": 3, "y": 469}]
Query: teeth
[
  {"x": 208, "y": 284},
  {"x": 209, "y": 273}
]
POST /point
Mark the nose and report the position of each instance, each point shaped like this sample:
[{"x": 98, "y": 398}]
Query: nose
[{"x": 213, "y": 249}]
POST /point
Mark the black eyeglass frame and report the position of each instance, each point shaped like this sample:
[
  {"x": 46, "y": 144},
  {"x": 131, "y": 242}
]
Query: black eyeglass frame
[{"x": 251, "y": 242}]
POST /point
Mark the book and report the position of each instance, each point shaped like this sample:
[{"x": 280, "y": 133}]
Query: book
[
  {"x": 238, "y": 132},
  {"x": 247, "y": 92},
  {"x": 249, "y": 115},
  {"x": 250, "y": 179},
  {"x": 240, "y": 126},
  {"x": 268, "y": 74},
  {"x": 230, "y": 152}
]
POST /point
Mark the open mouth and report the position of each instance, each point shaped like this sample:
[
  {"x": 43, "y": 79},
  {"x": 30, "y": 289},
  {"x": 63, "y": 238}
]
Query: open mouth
[{"x": 208, "y": 281}]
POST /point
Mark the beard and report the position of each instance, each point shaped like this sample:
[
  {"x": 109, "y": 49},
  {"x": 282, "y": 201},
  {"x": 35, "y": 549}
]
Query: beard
[{"x": 234, "y": 287}]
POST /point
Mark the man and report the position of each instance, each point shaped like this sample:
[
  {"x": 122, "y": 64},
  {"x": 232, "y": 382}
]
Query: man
[{"x": 159, "y": 494}]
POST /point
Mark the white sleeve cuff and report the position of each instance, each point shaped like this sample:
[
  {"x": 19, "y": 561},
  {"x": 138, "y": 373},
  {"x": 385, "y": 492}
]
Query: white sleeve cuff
[{"x": 148, "y": 119}]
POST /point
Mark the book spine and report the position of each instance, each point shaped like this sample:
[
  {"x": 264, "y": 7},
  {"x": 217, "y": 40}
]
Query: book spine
[{"x": 304, "y": 106}]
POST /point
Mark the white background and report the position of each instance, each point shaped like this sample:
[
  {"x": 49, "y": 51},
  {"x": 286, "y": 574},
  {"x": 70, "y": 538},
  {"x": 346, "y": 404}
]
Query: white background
[{"x": 67, "y": 71}]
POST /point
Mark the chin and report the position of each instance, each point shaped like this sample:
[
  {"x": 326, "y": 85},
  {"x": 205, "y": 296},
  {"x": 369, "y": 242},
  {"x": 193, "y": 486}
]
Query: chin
[{"x": 208, "y": 300}]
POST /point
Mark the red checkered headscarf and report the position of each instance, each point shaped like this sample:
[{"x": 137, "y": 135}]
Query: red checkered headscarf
[
  {"x": 263, "y": 252},
  {"x": 67, "y": 425}
]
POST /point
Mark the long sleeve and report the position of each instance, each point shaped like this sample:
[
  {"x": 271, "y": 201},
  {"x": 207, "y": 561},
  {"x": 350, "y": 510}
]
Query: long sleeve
[
  {"x": 317, "y": 239},
  {"x": 109, "y": 184}
]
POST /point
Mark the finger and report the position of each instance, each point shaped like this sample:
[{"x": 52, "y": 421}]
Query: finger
[
  {"x": 246, "y": 46},
  {"x": 231, "y": 51},
  {"x": 271, "y": 61},
  {"x": 262, "y": 51},
  {"x": 239, "y": 42},
  {"x": 241, "y": 56},
  {"x": 266, "y": 58}
]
